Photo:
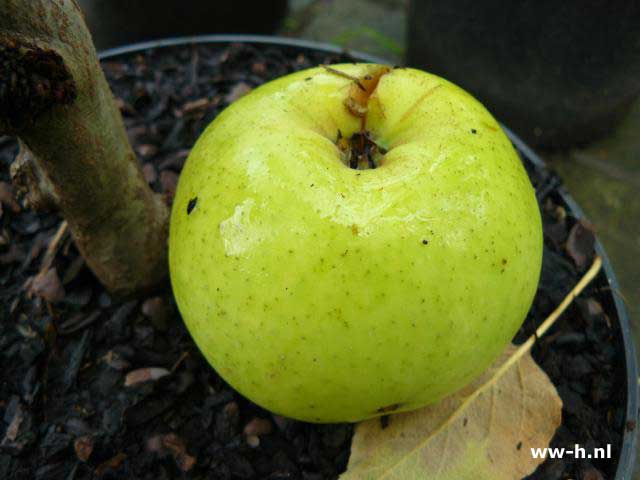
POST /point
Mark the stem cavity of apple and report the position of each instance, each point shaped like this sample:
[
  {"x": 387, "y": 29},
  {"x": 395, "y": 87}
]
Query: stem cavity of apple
[{"x": 360, "y": 151}]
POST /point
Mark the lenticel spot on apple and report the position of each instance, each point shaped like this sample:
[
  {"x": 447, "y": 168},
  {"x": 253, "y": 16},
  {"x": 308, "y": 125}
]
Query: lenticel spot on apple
[{"x": 353, "y": 239}]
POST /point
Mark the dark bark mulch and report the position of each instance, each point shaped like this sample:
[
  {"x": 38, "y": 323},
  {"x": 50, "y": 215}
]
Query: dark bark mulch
[{"x": 94, "y": 387}]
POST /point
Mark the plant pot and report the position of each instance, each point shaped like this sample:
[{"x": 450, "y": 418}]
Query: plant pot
[
  {"x": 558, "y": 73},
  {"x": 119, "y": 22},
  {"x": 81, "y": 393}
]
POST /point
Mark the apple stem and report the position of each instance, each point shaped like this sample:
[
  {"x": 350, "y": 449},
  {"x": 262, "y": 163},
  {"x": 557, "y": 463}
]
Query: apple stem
[{"x": 360, "y": 151}]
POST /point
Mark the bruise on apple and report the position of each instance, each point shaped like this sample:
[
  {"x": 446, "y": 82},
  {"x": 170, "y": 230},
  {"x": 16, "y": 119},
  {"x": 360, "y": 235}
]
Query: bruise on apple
[{"x": 360, "y": 151}]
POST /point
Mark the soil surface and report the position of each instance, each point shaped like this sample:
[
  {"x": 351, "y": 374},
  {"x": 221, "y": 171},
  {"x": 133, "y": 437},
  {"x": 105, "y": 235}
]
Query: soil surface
[{"x": 96, "y": 387}]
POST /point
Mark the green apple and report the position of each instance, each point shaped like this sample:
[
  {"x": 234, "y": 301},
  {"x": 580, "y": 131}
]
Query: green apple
[{"x": 328, "y": 293}]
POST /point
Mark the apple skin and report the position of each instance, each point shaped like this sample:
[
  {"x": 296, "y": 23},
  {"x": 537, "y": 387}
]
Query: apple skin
[{"x": 330, "y": 294}]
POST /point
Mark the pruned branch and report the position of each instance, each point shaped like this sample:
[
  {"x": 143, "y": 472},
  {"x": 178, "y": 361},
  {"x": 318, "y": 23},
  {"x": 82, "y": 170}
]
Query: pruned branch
[
  {"x": 34, "y": 80},
  {"x": 75, "y": 152}
]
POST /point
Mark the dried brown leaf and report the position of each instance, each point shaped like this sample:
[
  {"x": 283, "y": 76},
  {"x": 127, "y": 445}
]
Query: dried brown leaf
[{"x": 484, "y": 431}]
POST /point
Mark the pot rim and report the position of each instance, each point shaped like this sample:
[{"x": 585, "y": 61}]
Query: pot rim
[
  {"x": 627, "y": 456},
  {"x": 238, "y": 38}
]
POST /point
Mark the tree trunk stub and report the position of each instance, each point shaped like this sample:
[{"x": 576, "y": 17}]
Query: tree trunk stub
[{"x": 55, "y": 98}]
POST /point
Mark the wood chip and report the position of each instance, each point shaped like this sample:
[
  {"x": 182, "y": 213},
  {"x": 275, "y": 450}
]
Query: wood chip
[
  {"x": 48, "y": 286},
  {"x": 238, "y": 90},
  {"x": 112, "y": 464},
  {"x": 144, "y": 375},
  {"x": 253, "y": 441},
  {"x": 195, "y": 106},
  {"x": 149, "y": 172},
  {"x": 258, "y": 426},
  {"x": 83, "y": 447}
]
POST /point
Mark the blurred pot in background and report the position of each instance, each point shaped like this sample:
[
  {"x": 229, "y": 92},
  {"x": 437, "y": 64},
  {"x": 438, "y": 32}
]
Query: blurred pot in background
[
  {"x": 117, "y": 22},
  {"x": 558, "y": 73}
]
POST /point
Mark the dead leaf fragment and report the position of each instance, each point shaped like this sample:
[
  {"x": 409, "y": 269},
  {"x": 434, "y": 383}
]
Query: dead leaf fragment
[{"x": 472, "y": 434}]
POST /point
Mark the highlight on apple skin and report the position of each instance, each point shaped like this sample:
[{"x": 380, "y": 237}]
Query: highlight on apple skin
[{"x": 353, "y": 240}]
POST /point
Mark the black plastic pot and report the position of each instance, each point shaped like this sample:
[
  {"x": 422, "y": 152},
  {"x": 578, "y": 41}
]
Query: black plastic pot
[
  {"x": 559, "y": 73},
  {"x": 613, "y": 305},
  {"x": 120, "y": 22}
]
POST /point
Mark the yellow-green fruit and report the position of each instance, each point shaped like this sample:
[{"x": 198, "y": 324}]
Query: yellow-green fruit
[{"x": 326, "y": 293}]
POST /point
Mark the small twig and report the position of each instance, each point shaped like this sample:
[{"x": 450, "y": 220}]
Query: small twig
[
  {"x": 52, "y": 249},
  {"x": 356, "y": 80}
]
